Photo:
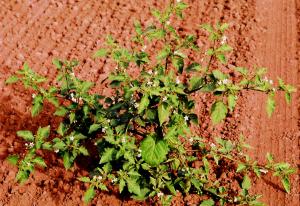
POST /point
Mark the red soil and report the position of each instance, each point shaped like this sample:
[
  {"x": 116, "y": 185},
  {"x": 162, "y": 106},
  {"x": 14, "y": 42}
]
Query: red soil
[{"x": 263, "y": 32}]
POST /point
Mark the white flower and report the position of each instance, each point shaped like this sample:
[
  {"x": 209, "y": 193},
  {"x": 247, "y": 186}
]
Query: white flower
[
  {"x": 266, "y": 79},
  {"x": 31, "y": 144},
  {"x": 160, "y": 194},
  {"x": 165, "y": 99},
  {"x": 186, "y": 118},
  {"x": 150, "y": 72},
  {"x": 178, "y": 1},
  {"x": 274, "y": 89},
  {"x": 235, "y": 199},
  {"x": 150, "y": 83},
  {"x": 144, "y": 48},
  {"x": 114, "y": 180},
  {"x": 103, "y": 129},
  {"x": 72, "y": 74},
  {"x": 271, "y": 81},
  {"x": 139, "y": 155},
  {"x": 28, "y": 163},
  {"x": 95, "y": 143},
  {"x": 212, "y": 145},
  {"x": 177, "y": 80},
  {"x": 225, "y": 81},
  {"x": 56, "y": 151},
  {"x": 108, "y": 120},
  {"x": 224, "y": 39},
  {"x": 168, "y": 22},
  {"x": 191, "y": 140},
  {"x": 99, "y": 177},
  {"x": 72, "y": 138},
  {"x": 155, "y": 73},
  {"x": 123, "y": 140},
  {"x": 33, "y": 96},
  {"x": 263, "y": 171},
  {"x": 139, "y": 150},
  {"x": 136, "y": 105}
]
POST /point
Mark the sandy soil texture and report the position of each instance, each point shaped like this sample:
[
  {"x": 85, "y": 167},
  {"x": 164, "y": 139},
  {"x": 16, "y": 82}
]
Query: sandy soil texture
[{"x": 263, "y": 32}]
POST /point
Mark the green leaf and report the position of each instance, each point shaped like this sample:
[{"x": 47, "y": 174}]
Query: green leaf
[
  {"x": 270, "y": 107},
  {"x": 57, "y": 63},
  {"x": 108, "y": 155},
  {"x": 209, "y": 202},
  {"x": 84, "y": 179},
  {"x": 193, "y": 67},
  {"x": 241, "y": 70},
  {"x": 89, "y": 194},
  {"x": 144, "y": 103},
  {"x": 195, "y": 83},
  {"x": 37, "y": 105},
  {"x": 154, "y": 150},
  {"x": 122, "y": 184},
  {"x": 83, "y": 151},
  {"x": 26, "y": 135},
  {"x": 218, "y": 112},
  {"x": 224, "y": 48},
  {"x": 133, "y": 186},
  {"x": 207, "y": 27},
  {"x": 222, "y": 58},
  {"x": 12, "y": 79},
  {"x": 67, "y": 161},
  {"x": 43, "y": 132},
  {"x": 61, "y": 111},
  {"x": 219, "y": 75},
  {"x": 61, "y": 129},
  {"x": 286, "y": 184},
  {"x": 231, "y": 102},
  {"x": 178, "y": 63},
  {"x": 241, "y": 167},
  {"x": 39, "y": 161},
  {"x": 22, "y": 176},
  {"x": 13, "y": 159},
  {"x": 164, "y": 53},
  {"x": 163, "y": 113},
  {"x": 246, "y": 184},
  {"x": 138, "y": 27},
  {"x": 100, "y": 53},
  {"x": 94, "y": 127}
]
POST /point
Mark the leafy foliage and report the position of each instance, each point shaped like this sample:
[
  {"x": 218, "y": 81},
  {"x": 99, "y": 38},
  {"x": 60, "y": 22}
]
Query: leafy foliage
[{"x": 142, "y": 133}]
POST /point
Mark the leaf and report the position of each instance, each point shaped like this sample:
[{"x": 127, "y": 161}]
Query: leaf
[
  {"x": 163, "y": 113},
  {"x": 122, "y": 184},
  {"x": 61, "y": 111},
  {"x": 61, "y": 129},
  {"x": 84, "y": 179},
  {"x": 222, "y": 58},
  {"x": 164, "y": 53},
  {"x": 219, "y": 75},
  {"x": 108, "y": 155},
  {"x": 246, "y": 184},
  {"x": 94, "y": 127},
  {"x": 100, "y": 53},
  {"x": 193, "y": 67},
  {"x": 89, "y": 194},
  {"x": 144, "y": 103},
  {"x": 39, "y": 161},
  {"x": 241, "y": 167},
  {"x": 270, "y": 107},
  {"x": 43, "y": 132},
  {"x": 207, "y": 27},
  {"x": 154, "y": 150},
  {"x": 22, "y": 176},
  {"x": 218, "y": 112},
  {"x": 209, "y": 202},
  {"x": 241, "y": 70},
  {"x": 37, "y": 105},
  {"x": 13, "y": 159},
  {"x": 286, "y": 184},
  {"x": 231, "y": 102},
  {"x": 26, "y": 135},
  {"x": 83, "y": 151},
  {"x": 133, "y": 186},
  {"x": 178, "y": 63},
  {"x": 12, "y": 79},
  {"x": 57, "y": 63},
  {"x": 224, "y": 48},
  {"x": 195, "y": 83},
  {"x": 67, "y": 161}
]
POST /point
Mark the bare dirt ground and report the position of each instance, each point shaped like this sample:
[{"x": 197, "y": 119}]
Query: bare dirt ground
[{"x": 263, "y": 32}]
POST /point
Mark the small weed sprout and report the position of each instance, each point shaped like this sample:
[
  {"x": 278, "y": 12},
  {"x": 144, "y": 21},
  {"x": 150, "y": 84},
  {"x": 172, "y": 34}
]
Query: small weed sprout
[{"x": 143, "y": 133}]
